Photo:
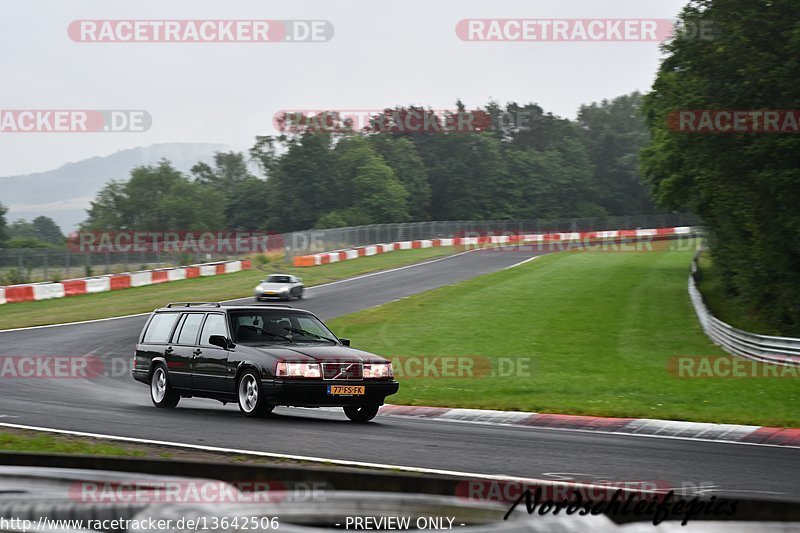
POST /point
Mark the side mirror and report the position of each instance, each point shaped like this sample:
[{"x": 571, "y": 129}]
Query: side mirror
[
  {"x": 222, "y": 342},
  {"x": 345, "y": 342}
]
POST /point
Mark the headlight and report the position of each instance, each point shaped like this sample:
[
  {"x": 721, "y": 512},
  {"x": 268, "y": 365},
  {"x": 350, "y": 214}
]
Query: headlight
[
  {"x": 378, "y": 370},
  {"x": 284, "y": 289},
  {"x": 259, "y": 288},
  {"x": 298, "y": 370}
]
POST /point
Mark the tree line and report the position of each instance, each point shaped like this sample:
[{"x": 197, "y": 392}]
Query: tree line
[
  {"x": 744, "y": 185},
  {"x": 41, "y": 232},
  {"x": 550, "y": 167}
]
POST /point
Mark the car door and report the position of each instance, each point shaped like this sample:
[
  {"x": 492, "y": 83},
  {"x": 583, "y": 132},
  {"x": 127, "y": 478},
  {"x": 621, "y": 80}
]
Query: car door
[
  {"x": 155, "y": 341},
  {"x": 297, "y": 286},
  {"x": 184, "y": 345},
  {"x": 210, "y": 365}
]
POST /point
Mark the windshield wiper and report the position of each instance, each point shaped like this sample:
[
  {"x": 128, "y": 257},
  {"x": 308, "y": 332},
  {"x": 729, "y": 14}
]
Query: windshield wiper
[{"x": 309, "y": 334}]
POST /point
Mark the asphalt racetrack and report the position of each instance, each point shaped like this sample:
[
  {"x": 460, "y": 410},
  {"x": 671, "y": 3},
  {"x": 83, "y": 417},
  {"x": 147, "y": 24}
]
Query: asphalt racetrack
[{"x": 116, "y": 405}]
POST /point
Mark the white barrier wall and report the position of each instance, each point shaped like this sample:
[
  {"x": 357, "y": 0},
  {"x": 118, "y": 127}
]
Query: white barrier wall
[
  {"x": 140, "y": 279},
  {"x": 208, "y": 270},
  {"x": 352, "y": 254},
  {"x": 233, "y": 266},
  {"x": 50, "y": 290},
  {"x": 47, "y": 291},
  {"x": 334, "y": 257},
  {"x": 387, "y": 247},
  {"x": 370, "y": 250},
  {"x": 405, "y": 245},
  {"x": 445, "y": 242},
  {"x": 94, "y": 285},
  {"x": 606, "y": 234},
  {"x": 425, "y": 244},
  {"x": 176, "y": 274}
]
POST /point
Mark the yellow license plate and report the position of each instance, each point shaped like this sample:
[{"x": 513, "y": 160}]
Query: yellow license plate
[{"x": 346, "y": 390}]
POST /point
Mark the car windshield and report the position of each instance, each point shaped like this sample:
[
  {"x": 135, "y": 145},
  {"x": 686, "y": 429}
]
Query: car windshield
[
  {"x": 275, "y": 326},
  {"x": 278, "y": 279}
]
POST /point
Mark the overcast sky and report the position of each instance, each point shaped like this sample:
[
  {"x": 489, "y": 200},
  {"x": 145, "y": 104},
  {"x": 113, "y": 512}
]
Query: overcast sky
[{"x": 383, "y": 54}]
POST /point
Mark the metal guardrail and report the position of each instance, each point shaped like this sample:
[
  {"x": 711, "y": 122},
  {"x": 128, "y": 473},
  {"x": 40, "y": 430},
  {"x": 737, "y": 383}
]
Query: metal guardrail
[{"x": 764, "y": 348}]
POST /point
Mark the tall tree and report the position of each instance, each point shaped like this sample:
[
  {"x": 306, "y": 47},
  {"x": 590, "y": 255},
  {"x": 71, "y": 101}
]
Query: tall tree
[
  {"x": 246, "y": 205},
  {"x": 47, "y": 230},
  {"x": 615, "y": 134},
  {"x": 302, "y": 184},
  {"x": 156, "y": 198},
  {"x": 409, "y": 169},
  {"x": 746, "y": 186},
  {"x": 21, "y": 228},
  {"x": 3, "y": 224},
  {"x": 369, "y": 191}
]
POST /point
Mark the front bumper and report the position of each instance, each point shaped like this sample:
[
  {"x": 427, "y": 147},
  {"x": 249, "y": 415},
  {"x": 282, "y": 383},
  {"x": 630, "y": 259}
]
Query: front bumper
[
  {"x": 269, "y": 294},
  {"x": 314, "y": 393}
]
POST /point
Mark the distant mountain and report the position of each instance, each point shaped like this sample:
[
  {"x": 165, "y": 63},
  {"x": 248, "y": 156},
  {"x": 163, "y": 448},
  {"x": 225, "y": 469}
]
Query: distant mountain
[{"x": 64, "y": 194}]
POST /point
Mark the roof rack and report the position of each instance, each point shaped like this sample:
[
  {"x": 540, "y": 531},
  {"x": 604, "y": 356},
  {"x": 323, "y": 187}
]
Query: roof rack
[
  {"x": 276, "y": 305},
  {"x": 191, "y": 304}
]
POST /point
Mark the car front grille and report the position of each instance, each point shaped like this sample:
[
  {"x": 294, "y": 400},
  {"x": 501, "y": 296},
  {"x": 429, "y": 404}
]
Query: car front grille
[{"x": 342, "y": 371}]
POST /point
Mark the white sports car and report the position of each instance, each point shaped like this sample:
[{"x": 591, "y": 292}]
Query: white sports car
[{"x": 281, "y": 286}]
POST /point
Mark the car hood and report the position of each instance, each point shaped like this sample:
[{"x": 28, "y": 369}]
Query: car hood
[
  {"x": 273, "y": 286},
  {"x": 324, "y": 354}
]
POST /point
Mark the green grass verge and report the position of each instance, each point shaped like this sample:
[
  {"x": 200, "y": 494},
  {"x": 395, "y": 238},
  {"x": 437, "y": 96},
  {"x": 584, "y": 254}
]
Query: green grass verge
[
  {"x": 720, "y": 303},
  {"x": 600, "y": 329},
  {"x": 44, "y": 443},
  {"x": 216, "y": 288}
]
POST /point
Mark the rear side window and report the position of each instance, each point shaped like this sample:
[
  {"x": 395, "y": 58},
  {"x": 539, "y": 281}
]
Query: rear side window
[
  {"x": 160, "y": 327},
  {"x": 215, "y": 325},
  {"x": 190, "y": 325}
]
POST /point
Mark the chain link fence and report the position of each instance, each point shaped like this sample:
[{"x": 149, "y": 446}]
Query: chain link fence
[
  {"x": 27, "y": 265},
  {"x": 325, "y": 240},
  {"x": 24, "y": 265}
]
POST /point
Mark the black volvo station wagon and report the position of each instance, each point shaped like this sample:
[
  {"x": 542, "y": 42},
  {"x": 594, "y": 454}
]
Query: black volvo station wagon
[{"x": 259, "y": 356}]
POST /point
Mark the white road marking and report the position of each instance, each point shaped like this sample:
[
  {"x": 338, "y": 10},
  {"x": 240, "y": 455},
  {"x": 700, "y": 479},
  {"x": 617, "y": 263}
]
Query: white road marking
[
  {"x": 522, "y": 262},
  {"x": 339, "y": 462},
  {"x": 371, "y": 274}
]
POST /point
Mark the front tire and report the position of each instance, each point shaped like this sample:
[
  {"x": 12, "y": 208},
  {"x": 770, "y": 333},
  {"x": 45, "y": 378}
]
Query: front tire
[
  {"x": 252, "y": 401},
  {"x": 361, "y": 413},
  {"x": 161, "y": 392}
]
